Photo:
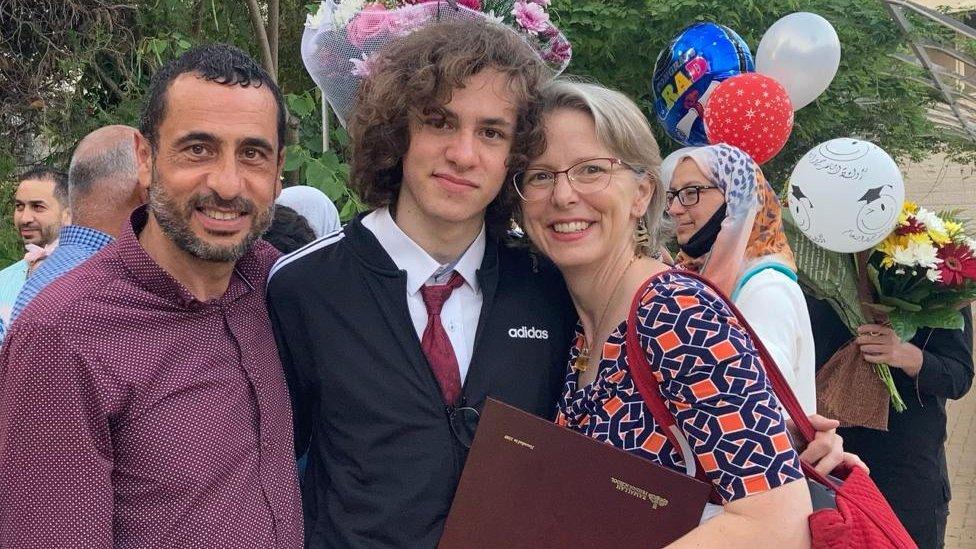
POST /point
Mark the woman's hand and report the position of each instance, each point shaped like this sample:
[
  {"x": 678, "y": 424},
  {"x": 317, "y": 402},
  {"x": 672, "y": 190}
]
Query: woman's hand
[
  {"x": 880, "y": 345},
  {"x": 826, "y": 451}
]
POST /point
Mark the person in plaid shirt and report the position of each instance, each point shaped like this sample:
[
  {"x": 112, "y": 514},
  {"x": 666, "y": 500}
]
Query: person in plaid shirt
[{"x": 103, "y": 189}]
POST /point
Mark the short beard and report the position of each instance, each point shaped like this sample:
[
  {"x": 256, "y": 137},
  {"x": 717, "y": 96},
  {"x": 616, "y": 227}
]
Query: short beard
[
  {"x": 174, "y": 220},
  {"x": 49, "y": 234},
  {"x": 46, "y": 235}
]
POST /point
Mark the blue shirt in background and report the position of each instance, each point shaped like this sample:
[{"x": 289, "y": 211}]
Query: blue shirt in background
[
  {"x": 75, "y": 245},
  {"x": 11, "y": 281}
]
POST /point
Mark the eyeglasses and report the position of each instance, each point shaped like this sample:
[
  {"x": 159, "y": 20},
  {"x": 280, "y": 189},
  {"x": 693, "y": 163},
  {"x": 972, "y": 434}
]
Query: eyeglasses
[
  {"x": 464, "y": 422},
  {"x": 688, "y": 196},
  {"x": 588, "y": 176}
]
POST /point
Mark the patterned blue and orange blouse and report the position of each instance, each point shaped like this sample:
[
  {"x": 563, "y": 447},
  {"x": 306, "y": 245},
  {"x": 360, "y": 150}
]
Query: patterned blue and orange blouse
[{"x": 712, "y": 380}]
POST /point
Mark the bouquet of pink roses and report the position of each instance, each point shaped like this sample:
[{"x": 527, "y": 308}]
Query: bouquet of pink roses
[{"x": 341, "y": 39}]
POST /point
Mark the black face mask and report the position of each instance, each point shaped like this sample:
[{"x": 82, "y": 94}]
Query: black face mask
[{"x": 702, "y": 241}]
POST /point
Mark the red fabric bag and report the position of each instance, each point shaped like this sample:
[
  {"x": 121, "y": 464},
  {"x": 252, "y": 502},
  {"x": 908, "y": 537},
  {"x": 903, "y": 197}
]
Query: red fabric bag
[{"x": 861, "y": 516}]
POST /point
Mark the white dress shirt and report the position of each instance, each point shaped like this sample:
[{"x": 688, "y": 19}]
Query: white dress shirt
[{"x": 462, "y": 310}]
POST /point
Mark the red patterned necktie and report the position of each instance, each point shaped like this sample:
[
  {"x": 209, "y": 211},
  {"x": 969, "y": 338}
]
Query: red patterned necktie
[{"x": 435, "y": 343}]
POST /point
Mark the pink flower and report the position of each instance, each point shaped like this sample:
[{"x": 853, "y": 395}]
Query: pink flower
[
  {"x": 408, "y": 19},
  {"x": 473, "y": 4},
  {"x": 531, "y": 17},
  {"x": 363, "y": 68},
  {"x": 550, "y": 31},
  {"x": 558, "y": 52},
  {"x": 543, "y": 3},
  {"x": 372, "y": 20}
]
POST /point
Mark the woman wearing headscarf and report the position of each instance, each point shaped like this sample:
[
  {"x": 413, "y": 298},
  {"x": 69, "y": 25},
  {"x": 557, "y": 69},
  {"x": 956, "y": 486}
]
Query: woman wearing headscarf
[
  {"x": 314, "y": 206},
  {"x": 587, "y": 203},
  {"x": 729, "y": 229}
]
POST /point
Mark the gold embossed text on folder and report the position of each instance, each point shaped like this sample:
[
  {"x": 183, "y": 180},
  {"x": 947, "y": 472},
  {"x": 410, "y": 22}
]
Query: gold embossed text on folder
[{"x": 655, "y": 500}]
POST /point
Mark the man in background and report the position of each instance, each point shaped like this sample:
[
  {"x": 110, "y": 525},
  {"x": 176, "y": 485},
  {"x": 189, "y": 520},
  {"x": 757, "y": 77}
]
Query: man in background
[
  {"x": 103, "y": 189},
  {"x": 40, "y": 209}
]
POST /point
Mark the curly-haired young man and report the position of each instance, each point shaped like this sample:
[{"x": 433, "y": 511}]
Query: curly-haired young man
[{"x": 419, "y": 311}]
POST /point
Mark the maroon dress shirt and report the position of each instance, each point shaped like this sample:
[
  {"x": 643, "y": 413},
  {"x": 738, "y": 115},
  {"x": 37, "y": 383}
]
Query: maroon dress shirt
[{"x": 134, "y": 415}]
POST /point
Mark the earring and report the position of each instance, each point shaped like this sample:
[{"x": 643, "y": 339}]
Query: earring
[{"x": 642, "y": 240}]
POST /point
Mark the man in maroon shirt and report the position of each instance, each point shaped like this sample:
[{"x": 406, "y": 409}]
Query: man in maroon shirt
[{"x": 142, "y": 403}]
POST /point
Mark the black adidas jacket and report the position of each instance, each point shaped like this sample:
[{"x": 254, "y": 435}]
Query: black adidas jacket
[{"x": 383, "y": 462}]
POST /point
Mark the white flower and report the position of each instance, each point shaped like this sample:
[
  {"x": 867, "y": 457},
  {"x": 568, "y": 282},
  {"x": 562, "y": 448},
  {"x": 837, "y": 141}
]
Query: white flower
[
  {"x": 315, "y": 21},
  {"x": 971, "y": 243},
  {"x": 926, "y": 255},
  {"x": 917, "y": 254},
  {"x": 346, "y": 11},
  {"x": 490, "y": 16},
  {"x": 930, "y": 220},
  {"x": 935, "y": 275}
]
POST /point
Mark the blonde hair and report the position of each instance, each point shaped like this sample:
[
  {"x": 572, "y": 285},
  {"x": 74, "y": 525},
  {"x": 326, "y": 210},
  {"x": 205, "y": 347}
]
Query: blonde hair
[{"x": 622, "y": 128}]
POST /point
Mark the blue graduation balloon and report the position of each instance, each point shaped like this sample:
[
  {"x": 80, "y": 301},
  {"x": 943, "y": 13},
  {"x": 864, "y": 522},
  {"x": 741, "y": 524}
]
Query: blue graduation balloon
[{"x": 688, "y": 69}]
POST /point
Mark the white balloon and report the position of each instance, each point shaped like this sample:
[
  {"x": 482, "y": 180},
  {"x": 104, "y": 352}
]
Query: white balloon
[
  {"x": 802, "y": 52},
  {"x": 846, "y": 194}
]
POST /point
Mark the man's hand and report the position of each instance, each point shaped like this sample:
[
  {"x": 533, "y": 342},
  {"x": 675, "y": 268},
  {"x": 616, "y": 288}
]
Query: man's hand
[
  {"x": 826, "y": 451},
  {"x": 880, "y": 345}
]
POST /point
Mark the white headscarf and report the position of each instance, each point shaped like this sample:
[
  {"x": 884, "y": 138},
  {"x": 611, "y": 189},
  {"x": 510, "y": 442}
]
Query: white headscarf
[
  {"x": 752, "y": 231},
  {"x": 314, "y": 206}
]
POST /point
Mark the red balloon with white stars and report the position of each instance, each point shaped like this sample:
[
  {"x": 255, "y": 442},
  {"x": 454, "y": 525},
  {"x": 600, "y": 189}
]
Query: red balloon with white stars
[{"x": 751, "y": 111}]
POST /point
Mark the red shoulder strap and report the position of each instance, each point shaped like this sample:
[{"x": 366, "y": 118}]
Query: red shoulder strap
[{"x": 641, "y": 373}]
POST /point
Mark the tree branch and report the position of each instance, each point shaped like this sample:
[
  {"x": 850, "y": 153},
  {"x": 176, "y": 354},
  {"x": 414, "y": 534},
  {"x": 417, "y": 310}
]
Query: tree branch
[
  {"x": 274, "y": 12},
  {"x": 259, "y": 32},
  {"x": 109, "y": 83},
  {"x": 197, "y": 19}
]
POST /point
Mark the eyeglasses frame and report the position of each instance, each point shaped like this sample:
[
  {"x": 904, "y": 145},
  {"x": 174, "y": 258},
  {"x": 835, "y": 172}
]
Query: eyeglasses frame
[
  {"x": 614, "y": 161},
  {"x": 669, "y": 195}
]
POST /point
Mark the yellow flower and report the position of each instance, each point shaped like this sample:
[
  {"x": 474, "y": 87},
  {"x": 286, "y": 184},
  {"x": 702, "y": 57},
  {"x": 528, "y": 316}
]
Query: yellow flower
[
  {"x": 910, "y": 208},
  {"x": 888, "y": 247},
  {"x": 897, "y": 241},
  {"x": 953, "y": 229},
  {"x": 938, "y": 237},
  {"x": 922, "y": 238}
]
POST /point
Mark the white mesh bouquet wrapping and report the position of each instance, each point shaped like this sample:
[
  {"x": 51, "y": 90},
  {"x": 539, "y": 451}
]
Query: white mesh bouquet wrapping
[{"x": 342, "y": 39}]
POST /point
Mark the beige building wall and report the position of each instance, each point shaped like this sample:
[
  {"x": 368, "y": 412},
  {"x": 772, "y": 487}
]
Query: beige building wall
[
  {"x": 940, "y": 184},
  {"x": 953, "y": 5}
]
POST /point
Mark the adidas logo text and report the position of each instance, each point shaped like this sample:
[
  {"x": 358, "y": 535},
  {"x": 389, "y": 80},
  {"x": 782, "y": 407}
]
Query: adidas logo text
[{"x": 528, "y": 333}]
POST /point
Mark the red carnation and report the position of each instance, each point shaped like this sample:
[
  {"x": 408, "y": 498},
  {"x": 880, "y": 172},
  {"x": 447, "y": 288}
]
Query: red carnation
[
  {"x": 958, "y": 264},
  {"x": 913, "y": 227}
]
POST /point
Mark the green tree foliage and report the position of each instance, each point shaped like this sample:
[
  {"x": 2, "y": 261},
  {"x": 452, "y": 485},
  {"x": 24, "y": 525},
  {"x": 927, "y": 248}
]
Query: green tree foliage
[
  {"x": 873, "y": 96},
  {"x": 70, "y": 66}
]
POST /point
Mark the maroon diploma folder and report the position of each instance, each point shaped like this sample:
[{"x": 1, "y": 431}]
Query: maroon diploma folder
[{"x": 531, "y": 483}]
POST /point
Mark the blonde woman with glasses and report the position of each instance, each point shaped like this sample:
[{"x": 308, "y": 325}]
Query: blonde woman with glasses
[{"x": 593, "y": 203}]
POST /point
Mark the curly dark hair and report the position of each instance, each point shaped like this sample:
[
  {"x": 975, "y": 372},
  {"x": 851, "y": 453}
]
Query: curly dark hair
[{"x": 418, "y": 74}]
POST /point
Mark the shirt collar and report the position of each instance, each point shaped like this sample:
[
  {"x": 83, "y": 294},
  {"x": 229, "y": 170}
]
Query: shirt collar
[
  {"x": 410, "y": 257},
  {"x": 147, "y": 273},
  {"x": 77, "y": 235}
]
